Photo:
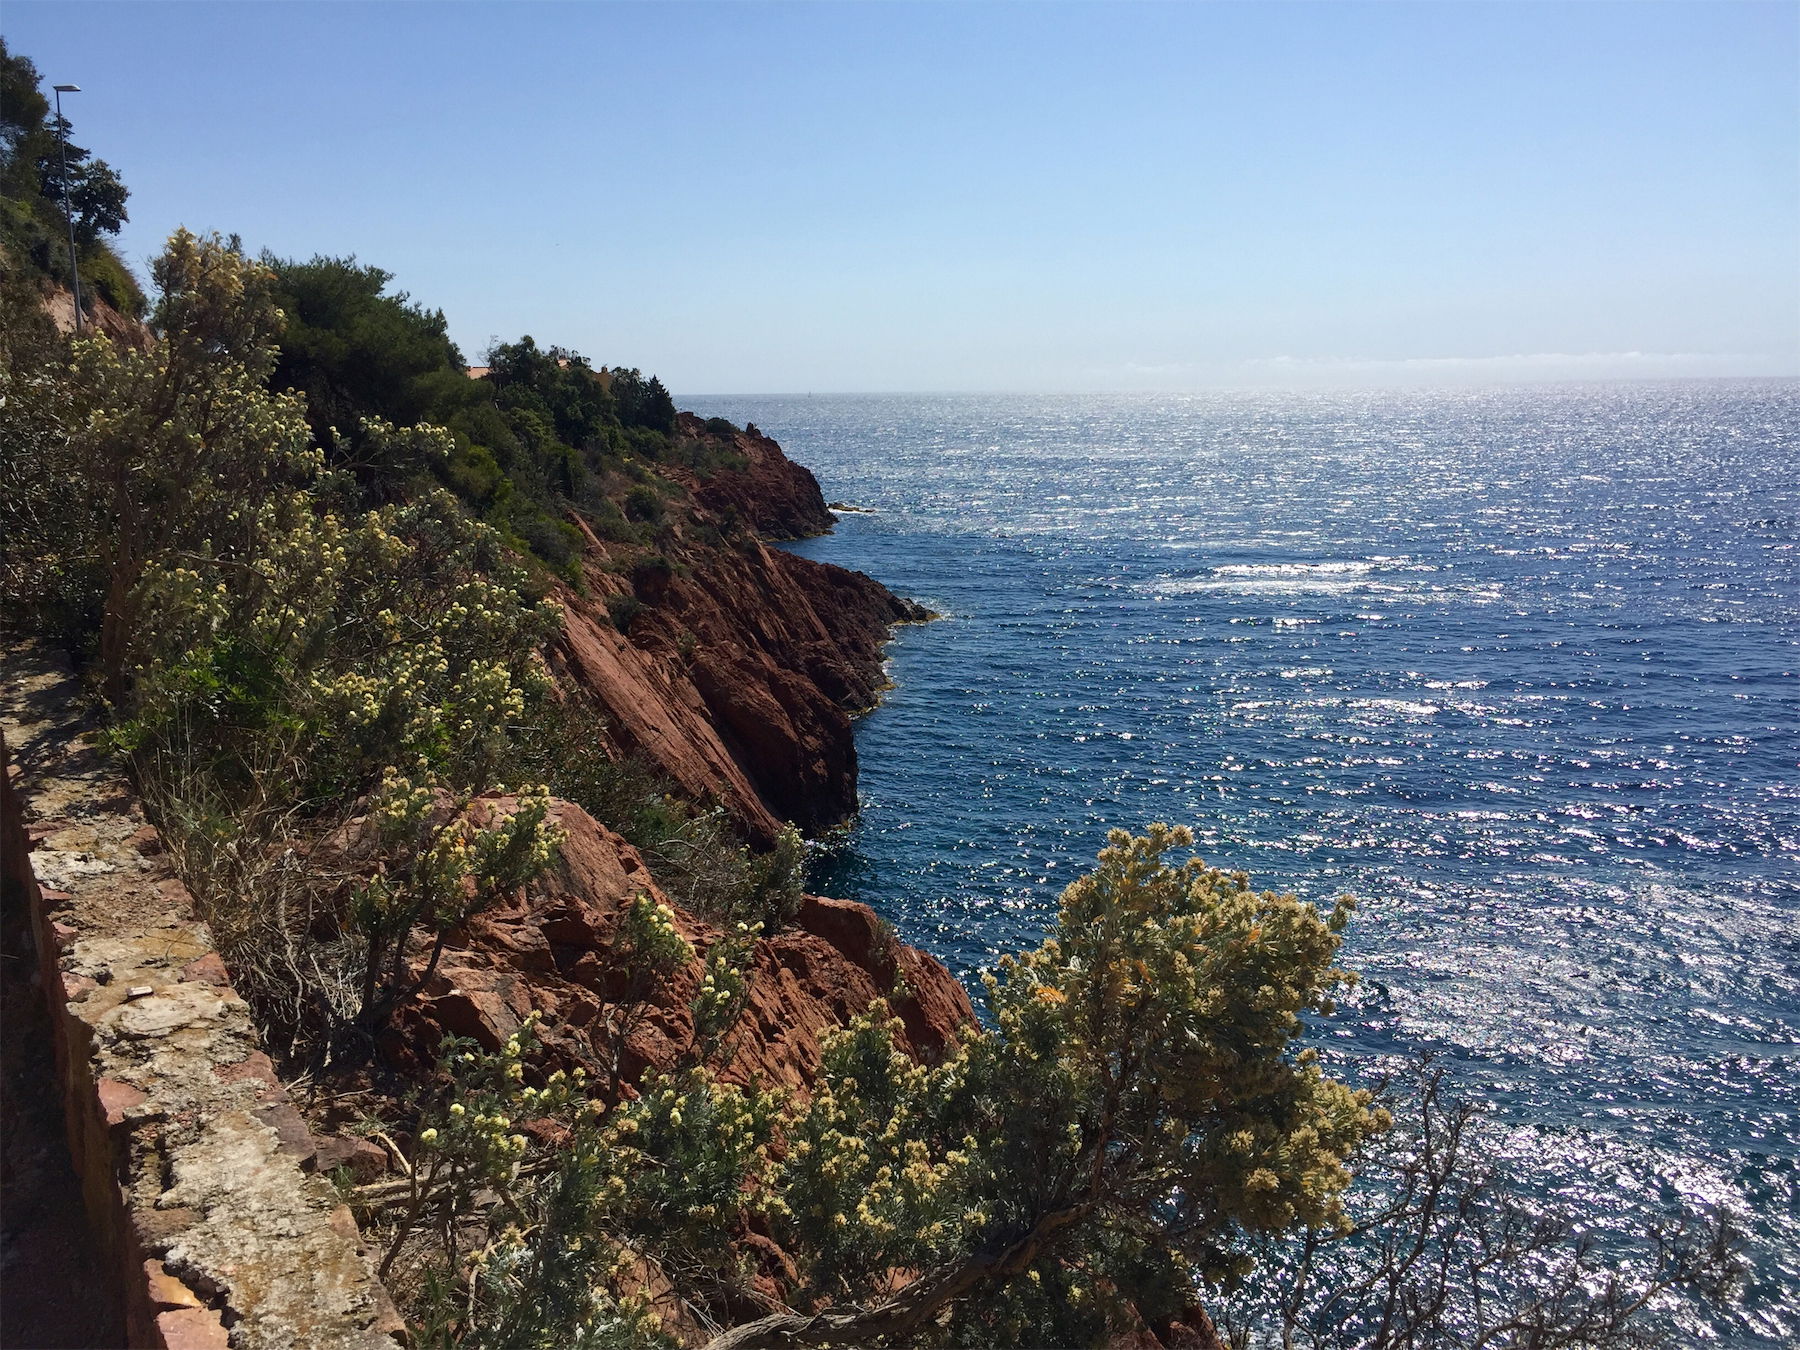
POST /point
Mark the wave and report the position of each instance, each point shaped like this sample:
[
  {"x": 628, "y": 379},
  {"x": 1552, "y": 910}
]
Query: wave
[{"x": 1324, "y": 577}]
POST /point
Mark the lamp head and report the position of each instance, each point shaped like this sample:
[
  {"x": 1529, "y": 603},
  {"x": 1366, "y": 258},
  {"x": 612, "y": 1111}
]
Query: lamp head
[{"x": 66, "y": 88}]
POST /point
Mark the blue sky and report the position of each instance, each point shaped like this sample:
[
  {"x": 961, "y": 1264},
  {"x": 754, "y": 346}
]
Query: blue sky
[{"x": 776, "y": 198}]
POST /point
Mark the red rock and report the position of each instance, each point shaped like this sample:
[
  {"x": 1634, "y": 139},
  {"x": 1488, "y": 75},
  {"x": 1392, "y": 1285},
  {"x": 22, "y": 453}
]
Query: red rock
[
  {"x": 208, "y": 969},
  {"x": 853, "y": 929},
  {"x": 803, "y": 981},
  {"x": 192, "y": 1329},
  {"x": 75, "y": 986},
  {"x": 775, "y": 1271},
  {"x": 117, "y": 1097},
  {"x": 741, "y": 672},
  {"x": 774, "y": 496},
  {"x": 292, "y": 1135},
  {"x": 257, "y": 1068}
]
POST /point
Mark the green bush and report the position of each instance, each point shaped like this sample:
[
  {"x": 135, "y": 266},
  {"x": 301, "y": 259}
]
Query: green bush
[
  {"x": 556, "y": 542},
  {"x": 644, "y": 505},
  {"x": 52, "y": 576},
  {"x": 105, "y": 274},
  {"x": 622, "y": 608},
  {"x": 1133, "y": 1113}
]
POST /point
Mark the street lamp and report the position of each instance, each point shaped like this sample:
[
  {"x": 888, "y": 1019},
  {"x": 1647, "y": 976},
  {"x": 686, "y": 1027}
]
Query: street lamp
[{"x": 62, "y": 154}]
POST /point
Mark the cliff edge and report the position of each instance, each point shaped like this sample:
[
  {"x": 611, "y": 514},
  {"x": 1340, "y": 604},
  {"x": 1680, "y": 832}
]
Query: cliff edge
[{"x": 731, "y": 667}]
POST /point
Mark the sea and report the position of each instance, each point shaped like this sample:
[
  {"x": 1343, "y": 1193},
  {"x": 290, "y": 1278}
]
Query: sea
[{"x": 1518, "y": 667}]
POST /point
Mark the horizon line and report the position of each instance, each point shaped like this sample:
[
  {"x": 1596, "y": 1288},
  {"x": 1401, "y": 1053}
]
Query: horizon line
[{"x": 1371, "y": 387}]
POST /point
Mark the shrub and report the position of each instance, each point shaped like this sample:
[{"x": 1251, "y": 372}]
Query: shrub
[
  {"x": 270, "y": 651},
  {"x": 622, "y": 608},
  {"x": 704, "y": 456},
  {"x": 439, "y": 868},
  {"x": 105, "y": 274},
  {"x": 52, "y": 580},
  {"x": 644, "y": 504},
  {"x": 556, "y": 542},
  {"x": 531, "y": 1270},
  {"x": 1135, "y": 1110}
]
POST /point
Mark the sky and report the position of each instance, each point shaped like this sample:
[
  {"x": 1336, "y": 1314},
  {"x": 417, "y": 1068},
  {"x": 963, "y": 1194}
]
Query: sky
[{"x": 784, "y": 198}]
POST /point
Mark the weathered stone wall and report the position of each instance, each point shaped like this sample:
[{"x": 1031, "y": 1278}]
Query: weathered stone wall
[{"x": 196, "y": 1170}]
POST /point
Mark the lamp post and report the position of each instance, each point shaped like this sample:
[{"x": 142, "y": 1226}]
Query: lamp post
[{"x": 62, "y": 155}]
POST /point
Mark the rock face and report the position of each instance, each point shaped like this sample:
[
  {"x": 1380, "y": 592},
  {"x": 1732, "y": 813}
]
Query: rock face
[
  {"x": 100, "y": 317},
  {"x": 774, "y": 496},
  {"x": 554, "y": 950},
  {"x": 740, "y": 665}
]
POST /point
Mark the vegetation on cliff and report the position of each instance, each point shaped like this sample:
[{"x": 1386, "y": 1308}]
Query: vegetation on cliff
[
  {"x": 538, "y": 435},
  {"x": 40, "y": 176},
  {"x": 1135, "y": 1110}
]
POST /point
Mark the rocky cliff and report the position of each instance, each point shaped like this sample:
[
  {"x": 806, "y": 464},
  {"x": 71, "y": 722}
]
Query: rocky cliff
[
  {"x": 731, "y": 667},
  {"x": 774, "y": 496},
  {"x": 100, "y": 317},
  {"x": 555, "y": 949}
]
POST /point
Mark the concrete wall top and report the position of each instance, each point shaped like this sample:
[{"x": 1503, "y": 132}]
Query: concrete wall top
[{"x": 195, "y": 1166}]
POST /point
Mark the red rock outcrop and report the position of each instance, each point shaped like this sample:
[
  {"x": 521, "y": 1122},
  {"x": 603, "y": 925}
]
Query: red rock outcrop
[
  {"x": 774, "y": 496},
  {"x": 554, "y": 950},
  {"x": 740, "y": 665}
]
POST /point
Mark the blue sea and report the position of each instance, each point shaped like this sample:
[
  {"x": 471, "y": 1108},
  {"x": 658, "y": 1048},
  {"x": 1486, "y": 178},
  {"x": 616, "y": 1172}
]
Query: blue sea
[{"x": 1515, "y": 666}]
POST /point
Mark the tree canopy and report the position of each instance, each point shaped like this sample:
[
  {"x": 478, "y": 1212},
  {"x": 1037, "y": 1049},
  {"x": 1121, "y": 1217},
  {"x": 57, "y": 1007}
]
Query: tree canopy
[{"x": 33, "y": 183}]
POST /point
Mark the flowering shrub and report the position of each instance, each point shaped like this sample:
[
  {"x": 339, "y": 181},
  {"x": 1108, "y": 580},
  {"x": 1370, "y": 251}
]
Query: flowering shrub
[
  {"x": 437, "y": 874},
  {"x": 359, "y": 642},
  {"x": 693, "y": 1158},
  {"x": 648, "y": 938},
  {"x": 871, "y": 1181},
  {"x": 724, "y": 987},
  {"x": 1134, "y": 1113},
  {"x": 1135, "y": 1110},
  {"x": 537, "y": 1269},
  {"x": 269, "y": 648}
]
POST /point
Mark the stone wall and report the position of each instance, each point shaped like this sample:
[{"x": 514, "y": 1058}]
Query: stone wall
[{"x": 197, "y": 1172}]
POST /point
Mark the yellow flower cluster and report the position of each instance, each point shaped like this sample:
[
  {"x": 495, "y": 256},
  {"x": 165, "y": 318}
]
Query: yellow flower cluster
[{"x": 649, "y": 935}]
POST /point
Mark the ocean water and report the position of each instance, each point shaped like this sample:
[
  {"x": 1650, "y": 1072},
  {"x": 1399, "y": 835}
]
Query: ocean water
[{"x": 1520, "y": 668}]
